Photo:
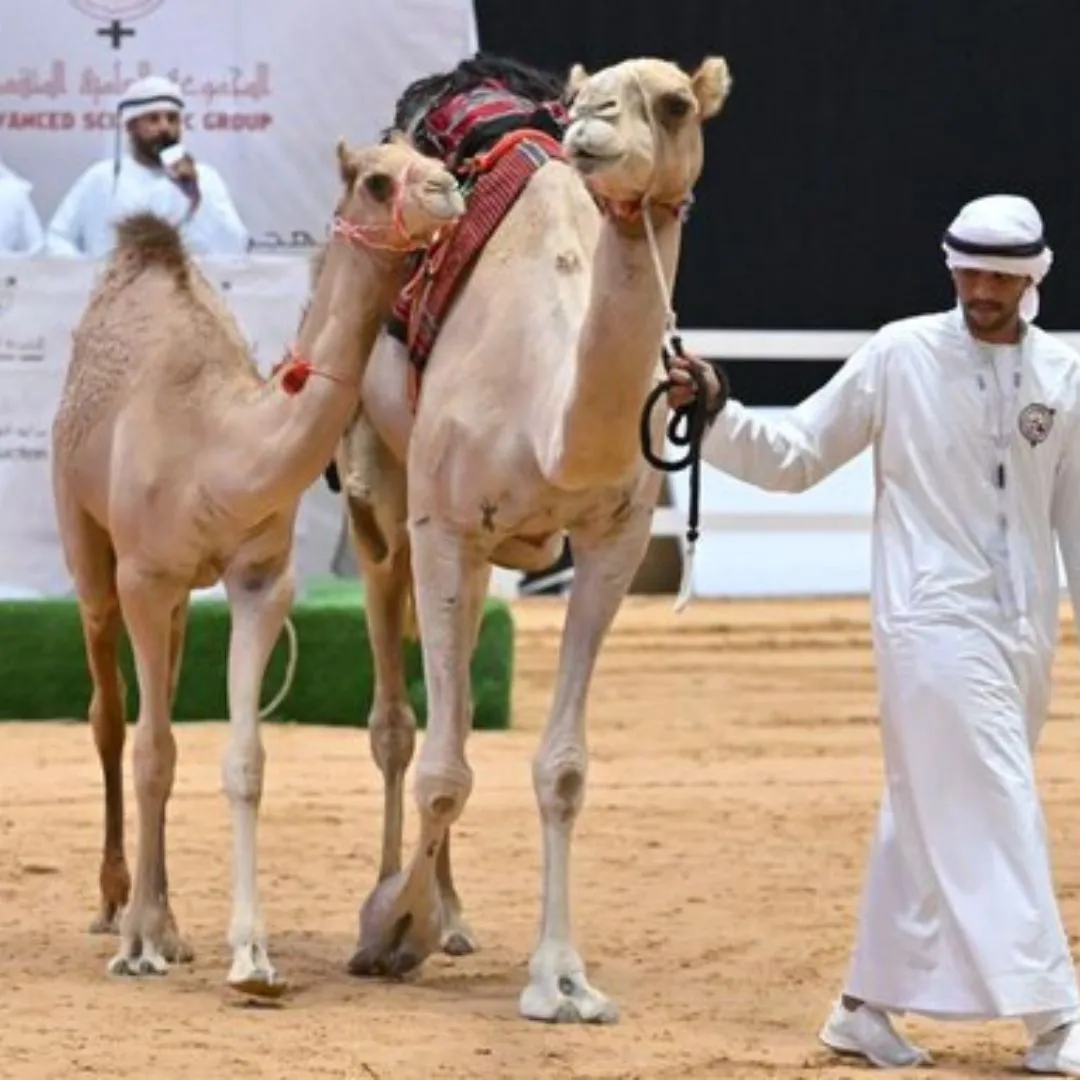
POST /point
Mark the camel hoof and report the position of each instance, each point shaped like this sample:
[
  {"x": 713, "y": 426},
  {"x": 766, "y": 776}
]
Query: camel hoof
[
  {"x": 568, "y": 999},
  {"x": 400, "y": 927},
  {"x": 176, "y": 950},
  {"x": 148, "y": 962},
  {"x": 266, "y": 989},
  {"x": 459, "y": 943},
  {"x": 253, "y": 974},
  {"x": 366, "y": 963}
]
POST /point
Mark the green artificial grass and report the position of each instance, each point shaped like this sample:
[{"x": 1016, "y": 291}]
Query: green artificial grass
[{"x": 43, "y": 674}]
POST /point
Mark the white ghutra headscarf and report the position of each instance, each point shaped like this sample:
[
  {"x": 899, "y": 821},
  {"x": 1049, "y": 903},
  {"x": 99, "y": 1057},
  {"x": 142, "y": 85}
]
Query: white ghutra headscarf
[
  {"x": 154, "y": 93},
  {"x": 1004, "y": 235}
]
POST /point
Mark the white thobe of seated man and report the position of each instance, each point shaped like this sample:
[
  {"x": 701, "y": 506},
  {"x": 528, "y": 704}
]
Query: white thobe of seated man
[
  {"x": 156, "y": 174},
  {"x": 20, "y": 226}
]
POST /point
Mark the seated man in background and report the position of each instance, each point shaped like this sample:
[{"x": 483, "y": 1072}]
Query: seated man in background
[
  {"x": 157, "y": 174},
  {"x": 20, "y": 226}
]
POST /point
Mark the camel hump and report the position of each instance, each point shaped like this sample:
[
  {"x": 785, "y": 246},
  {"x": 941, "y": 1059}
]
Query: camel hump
[{"x": 152, "y": 241}]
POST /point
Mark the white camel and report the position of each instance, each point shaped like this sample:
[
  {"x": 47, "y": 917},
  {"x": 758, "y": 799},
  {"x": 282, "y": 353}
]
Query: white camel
[{"x": 526, "y": 426}]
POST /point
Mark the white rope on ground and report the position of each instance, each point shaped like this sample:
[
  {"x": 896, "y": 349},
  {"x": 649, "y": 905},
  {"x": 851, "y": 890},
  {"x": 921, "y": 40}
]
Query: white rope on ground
[{"x": 290, "y": 670}]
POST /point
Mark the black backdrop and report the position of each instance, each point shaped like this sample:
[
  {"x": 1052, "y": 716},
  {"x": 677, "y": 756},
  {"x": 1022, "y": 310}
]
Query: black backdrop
[{"x": 854, "y": 132}]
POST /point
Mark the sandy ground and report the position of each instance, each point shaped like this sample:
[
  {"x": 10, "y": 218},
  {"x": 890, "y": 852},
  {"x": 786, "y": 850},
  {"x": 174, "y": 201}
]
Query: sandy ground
[{"x": 734, "y": 778}]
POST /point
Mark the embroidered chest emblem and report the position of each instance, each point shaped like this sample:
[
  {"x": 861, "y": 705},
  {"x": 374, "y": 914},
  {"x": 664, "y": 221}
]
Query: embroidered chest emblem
[{"x": 1035, "y": 422}]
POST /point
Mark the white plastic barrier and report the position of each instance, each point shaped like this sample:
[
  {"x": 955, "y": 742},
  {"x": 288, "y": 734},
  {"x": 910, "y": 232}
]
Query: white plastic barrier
[
  {"x": 752, "y": 543},
  {"x": 760, "y": 543},
  {"x": 767, "y": 543}
]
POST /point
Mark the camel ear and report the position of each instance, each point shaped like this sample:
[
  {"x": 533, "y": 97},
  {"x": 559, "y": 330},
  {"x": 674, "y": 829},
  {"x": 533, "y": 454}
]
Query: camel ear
[
  {"x": 711, "y": 84},
  {"x": 346, "y": 165},
  {"x": 575, "y": 80}
]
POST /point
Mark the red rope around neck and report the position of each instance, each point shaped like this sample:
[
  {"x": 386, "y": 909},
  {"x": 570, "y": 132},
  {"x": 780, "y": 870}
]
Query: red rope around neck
[{"x": 296, "y": 370}]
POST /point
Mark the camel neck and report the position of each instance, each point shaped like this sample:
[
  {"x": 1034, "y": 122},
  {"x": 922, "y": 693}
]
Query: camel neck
[
  {"x": 618, "y": 352},
  {"x": 352, "y": 299}
]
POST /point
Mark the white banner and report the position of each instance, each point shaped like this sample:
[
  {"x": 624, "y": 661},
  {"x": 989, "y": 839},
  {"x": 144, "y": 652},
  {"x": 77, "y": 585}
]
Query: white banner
[
  {"x": 41, "y": 301},
  {"x": 269, "y": 86}
]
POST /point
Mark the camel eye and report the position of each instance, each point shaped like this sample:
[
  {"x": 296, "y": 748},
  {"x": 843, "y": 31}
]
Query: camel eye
[
  {"x": 380, "y": 186},
  {"x": 675, "y": 106}
]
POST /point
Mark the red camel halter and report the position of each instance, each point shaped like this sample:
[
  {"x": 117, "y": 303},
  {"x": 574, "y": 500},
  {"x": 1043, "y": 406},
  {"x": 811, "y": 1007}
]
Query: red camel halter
[{"x": 295, "y": 370}]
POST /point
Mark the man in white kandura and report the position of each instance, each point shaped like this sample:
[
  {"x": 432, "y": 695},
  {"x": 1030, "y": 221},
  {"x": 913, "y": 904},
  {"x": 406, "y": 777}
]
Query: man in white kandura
[
  {"x": 20, "y": 226},
  {"x": 974, "y": 419},
  {"x": 158, "y": 174}
]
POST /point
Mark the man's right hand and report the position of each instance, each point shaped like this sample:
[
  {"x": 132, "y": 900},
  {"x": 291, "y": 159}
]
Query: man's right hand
[
  {"x": 180, "y": 165},
  {"x": 184, "y": 169},
  {"x": 684, "y": 391}
]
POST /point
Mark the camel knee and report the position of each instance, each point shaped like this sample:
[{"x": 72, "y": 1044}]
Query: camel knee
[
  {"x": 442, "y": 790},
  {"x": 154, "y": 760},
  {"x": 242, "y": 769},
  {"x": 392, "y": 730},
  {"x": 559, "y": 783}
]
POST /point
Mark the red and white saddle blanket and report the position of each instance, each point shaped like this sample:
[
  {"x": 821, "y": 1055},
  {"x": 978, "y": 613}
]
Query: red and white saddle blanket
[{"x": 519, "y": 140}]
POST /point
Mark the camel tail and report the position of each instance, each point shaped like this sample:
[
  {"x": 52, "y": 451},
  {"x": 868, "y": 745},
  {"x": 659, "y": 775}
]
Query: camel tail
[{"x": 152, "y": 242}]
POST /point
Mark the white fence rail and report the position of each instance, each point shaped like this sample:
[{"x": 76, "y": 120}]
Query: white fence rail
[
  {"x": 793, "y": 344},
  {"x": 758, "y": 543},
  {"x": 752, "y": 542}
]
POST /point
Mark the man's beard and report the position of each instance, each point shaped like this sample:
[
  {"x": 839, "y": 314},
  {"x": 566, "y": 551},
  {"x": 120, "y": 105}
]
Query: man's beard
[
  {"x": 151, "y": 148},
  {"x": 989, "y": 317}
]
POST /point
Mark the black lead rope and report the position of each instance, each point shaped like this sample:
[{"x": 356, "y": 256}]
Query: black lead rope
[{"x": 686, "y": 427}]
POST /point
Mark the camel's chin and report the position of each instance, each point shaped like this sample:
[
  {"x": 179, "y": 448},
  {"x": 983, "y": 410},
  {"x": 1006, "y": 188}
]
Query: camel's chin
[
  {"x": 448, "y": 209},
  {"x": 591, "y": 164}
]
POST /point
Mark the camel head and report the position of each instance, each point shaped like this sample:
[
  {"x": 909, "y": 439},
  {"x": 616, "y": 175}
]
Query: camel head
[
  {"x": 635, "y": 127},
  {"x": 394, "y": 197}
]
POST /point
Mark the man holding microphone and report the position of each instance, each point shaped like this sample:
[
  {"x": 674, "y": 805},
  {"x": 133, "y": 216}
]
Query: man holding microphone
[{"x": 156, "y": 174}]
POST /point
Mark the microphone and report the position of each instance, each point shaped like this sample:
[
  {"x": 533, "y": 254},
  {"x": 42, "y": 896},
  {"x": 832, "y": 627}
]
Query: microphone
[{"x": 170, "y": 157}]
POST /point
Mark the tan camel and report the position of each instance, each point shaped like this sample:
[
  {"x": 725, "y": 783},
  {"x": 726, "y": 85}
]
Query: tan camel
[
  {"x": 527, "y": 425},
  {"x": 176, "y": 465}
]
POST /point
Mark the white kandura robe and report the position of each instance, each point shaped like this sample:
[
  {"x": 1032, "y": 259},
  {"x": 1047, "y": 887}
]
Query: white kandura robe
[
  {"x": 20, "y": 226},
  {"x": 959, "y": 917},
  {"x": 84, "y": 222}
]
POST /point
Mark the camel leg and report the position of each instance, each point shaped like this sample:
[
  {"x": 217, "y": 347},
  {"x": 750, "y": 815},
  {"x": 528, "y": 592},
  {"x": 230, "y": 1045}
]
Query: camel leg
[
  {"x": 109, "y": 722},
  {"x": 148, "y": 602},
  {"x": 259, "y": 603},
  {"x": 392, "y": 727},
  {"x": 457, "y": 938},
  {"x": 558, "y": 990},
  {"x": 174, "y": 948},
  {"x": 92, "y": 563},
  {"x": 177, "y": 634},
  {"x": 401, "y": 921},
  {"x": 376, "y": 504},
  {"x": 391, "y": 721}
]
